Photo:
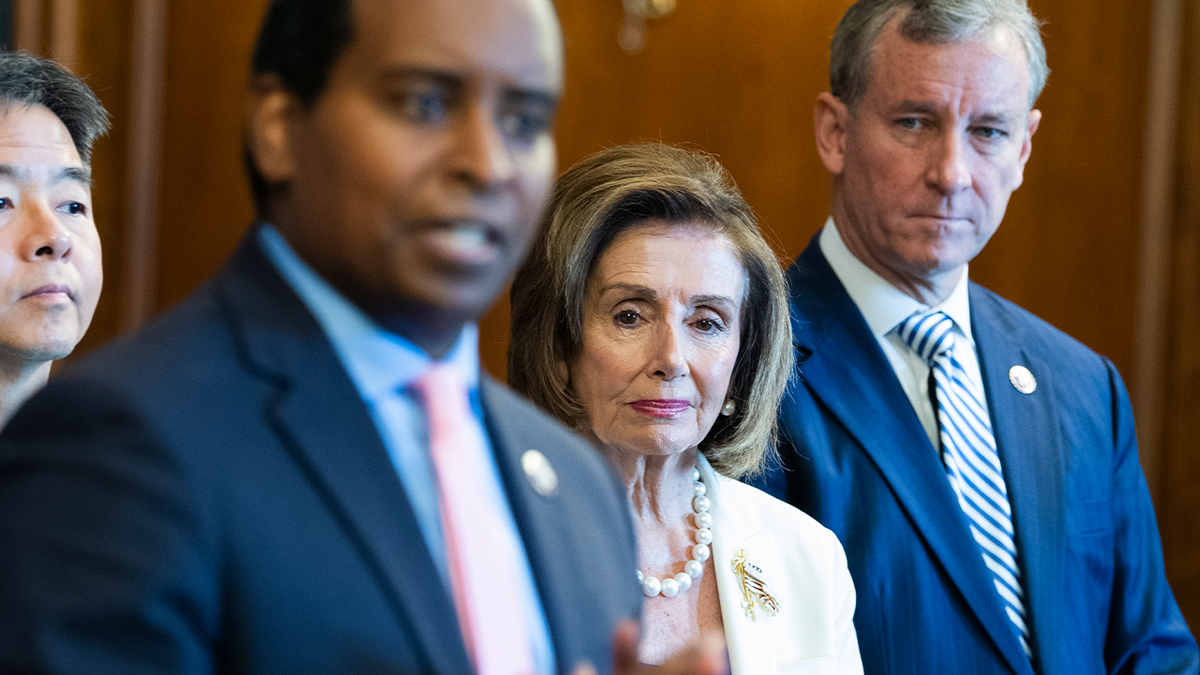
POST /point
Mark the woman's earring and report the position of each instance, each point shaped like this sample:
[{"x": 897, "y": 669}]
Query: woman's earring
[{"x": 729, "y": 408}]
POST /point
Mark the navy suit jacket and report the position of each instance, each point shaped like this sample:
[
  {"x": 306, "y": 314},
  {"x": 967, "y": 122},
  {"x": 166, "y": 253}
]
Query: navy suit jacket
[
  {"x": 211, "y": 496},
  {"x": 858, "y": 460}
]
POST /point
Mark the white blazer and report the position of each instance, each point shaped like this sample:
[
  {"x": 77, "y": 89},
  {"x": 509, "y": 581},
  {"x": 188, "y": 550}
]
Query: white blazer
[{"x": 813, "y": 631}]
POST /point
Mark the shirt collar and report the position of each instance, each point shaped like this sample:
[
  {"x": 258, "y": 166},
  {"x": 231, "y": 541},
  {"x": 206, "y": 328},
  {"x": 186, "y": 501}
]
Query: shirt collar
[
  {"x": 378, "y": 361},
  {"x": 883, "y": 305}
]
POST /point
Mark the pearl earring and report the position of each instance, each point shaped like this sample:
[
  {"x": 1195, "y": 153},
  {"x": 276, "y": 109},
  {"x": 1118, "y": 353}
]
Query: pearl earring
[{"x": 729, "y": 408}]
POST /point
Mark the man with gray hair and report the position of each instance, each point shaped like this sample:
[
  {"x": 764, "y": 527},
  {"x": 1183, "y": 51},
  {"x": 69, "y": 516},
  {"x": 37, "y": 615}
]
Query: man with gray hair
[
  {"x": 979, "y": 466},
  {"x": 50, "y": 273}
]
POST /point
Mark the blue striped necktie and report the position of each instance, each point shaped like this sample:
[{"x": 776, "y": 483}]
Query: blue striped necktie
[{"x": 972, "y": 463}]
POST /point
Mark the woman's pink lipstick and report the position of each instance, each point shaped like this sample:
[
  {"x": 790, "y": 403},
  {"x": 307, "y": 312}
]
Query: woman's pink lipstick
[{"x": 661, "y": 407}]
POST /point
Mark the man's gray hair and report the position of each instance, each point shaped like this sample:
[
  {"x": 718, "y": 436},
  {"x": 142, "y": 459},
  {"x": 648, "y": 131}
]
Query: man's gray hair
[
  {"x": 928, "y": 21},
  {"x": 26, "y": 79}
]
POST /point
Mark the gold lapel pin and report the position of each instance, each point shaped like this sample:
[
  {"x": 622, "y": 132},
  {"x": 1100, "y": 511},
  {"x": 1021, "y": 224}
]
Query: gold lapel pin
[
  {"x": 754, "y": 585},
  {"x": 540, "y": 474},
  {"x": 1022, "y": 380}
]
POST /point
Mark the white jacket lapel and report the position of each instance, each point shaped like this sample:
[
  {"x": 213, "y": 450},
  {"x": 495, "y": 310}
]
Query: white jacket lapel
[{"x": 751, "y": 641}]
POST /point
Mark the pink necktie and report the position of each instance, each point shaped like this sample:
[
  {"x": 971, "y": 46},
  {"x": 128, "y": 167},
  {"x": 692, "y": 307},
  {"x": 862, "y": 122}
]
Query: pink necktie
[{"x": 482, "y": 556}]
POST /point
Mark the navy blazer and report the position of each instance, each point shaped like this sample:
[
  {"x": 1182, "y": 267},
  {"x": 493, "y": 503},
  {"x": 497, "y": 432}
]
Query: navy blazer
[
  {"x": 211, "y": 496},
  {"x": 859, "y": 461}
]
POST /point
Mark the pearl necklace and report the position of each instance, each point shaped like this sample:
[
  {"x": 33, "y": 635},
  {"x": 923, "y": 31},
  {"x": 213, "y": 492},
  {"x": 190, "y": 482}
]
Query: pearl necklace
[{"x": 693, "y": 568}]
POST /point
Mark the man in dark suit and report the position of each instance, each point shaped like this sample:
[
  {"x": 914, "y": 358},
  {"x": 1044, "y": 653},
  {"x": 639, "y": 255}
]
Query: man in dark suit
[
  {"x": 253, "y": 482},
  {"x": 979, "y": 466}
]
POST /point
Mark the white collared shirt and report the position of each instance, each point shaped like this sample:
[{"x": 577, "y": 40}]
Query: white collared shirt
[{"x": 884, "y": 306}]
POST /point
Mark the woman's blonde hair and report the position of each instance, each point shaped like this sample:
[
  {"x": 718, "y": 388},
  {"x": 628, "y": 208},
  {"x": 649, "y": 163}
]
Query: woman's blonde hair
[{"x": 596, "y": 200}]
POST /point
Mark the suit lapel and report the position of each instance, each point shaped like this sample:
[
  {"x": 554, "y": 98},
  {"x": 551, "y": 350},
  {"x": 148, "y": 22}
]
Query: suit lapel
[
  {"x": 751, "y": 643},
  {"x": 847, "y": 371},
  {"x": 325, "y": 423},
  {"x": 536, "y": 523},
  {"x": 559, "y": 543},
  {"x": 1027, "y": 436}
]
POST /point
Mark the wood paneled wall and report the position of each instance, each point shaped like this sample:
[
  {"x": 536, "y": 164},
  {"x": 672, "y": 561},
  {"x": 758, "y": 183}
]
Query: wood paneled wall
[
  {"x": 205, "y": 202},
  {"x": 1179, "y": 501},
  {"x": 740, "y": 80},
  {"x": 737, "y": 79}
]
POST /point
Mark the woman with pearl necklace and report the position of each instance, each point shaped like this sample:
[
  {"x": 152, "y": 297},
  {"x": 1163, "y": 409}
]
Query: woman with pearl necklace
[{"x": 651, "y": 317}]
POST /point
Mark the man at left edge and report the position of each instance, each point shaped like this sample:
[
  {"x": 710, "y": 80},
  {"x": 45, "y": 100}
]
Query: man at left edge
[{"x": 218, "y": 493}]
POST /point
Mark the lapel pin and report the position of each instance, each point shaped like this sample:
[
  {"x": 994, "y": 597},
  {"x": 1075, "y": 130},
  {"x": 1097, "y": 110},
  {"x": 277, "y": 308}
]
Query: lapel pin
[
  {"x": 754, "y": 585},
  {"x": 541, "y": 475},
  {"x": 1022, "y": 380}
]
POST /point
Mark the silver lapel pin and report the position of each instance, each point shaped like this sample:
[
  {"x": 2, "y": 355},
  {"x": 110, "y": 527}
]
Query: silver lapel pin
[
  {"x": 1022, "y": 380},
  {"x": 540, "y": 473}
]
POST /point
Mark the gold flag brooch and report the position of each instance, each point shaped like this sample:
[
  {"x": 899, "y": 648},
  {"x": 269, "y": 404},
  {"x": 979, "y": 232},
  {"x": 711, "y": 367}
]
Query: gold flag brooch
[{"x": 755, "y": 586}]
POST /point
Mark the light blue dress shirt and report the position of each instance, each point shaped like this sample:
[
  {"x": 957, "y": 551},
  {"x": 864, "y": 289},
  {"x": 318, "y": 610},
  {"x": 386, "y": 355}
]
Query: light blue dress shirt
[{"x": 383, "y": 366}]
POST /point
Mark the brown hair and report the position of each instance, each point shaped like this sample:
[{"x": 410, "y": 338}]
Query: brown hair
[{"x": 596, "y": 200}]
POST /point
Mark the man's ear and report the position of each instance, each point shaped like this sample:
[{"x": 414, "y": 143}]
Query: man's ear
[
  {"x": 271, "y": 108},
  {"x": 830, "y": 119},
  {"x": 1031, "y": 126}
]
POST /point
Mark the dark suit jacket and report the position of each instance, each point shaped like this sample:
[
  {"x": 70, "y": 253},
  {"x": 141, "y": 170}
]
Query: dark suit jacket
[
  {"x": 859, "y": 461},
  {"x": 211, "y": 496}
]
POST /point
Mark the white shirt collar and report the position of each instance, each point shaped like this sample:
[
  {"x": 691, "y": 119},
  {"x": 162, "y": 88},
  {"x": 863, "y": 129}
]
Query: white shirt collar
[{"x": 883, "y": 305}]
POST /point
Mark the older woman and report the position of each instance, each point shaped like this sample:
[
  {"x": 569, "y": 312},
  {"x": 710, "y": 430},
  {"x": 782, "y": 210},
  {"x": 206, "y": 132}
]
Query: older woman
[{"x": 651, "y": 317}]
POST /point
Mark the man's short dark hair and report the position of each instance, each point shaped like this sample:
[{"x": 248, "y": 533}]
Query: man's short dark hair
[
  {"x": 299, "y": 42},
  {"x": 25, "y": 79}
]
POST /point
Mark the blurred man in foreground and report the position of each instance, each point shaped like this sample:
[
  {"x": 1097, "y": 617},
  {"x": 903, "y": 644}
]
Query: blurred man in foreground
[
  {"x": 301, "y": 469},
  {"x": 50, "y": 273},
  {"x": 979, "y": 466}
]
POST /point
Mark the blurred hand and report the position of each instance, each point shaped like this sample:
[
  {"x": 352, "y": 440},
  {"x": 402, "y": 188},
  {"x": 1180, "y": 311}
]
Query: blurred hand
[{"x": 705, "y": 656}]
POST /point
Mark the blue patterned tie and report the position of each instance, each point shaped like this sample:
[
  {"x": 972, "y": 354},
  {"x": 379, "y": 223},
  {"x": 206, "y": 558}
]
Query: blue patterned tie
[{"x": 972, "y": 463}]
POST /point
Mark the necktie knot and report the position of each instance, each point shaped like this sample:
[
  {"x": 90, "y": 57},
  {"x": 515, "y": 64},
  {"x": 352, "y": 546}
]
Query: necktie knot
[{"x": 930, "y": 334}]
